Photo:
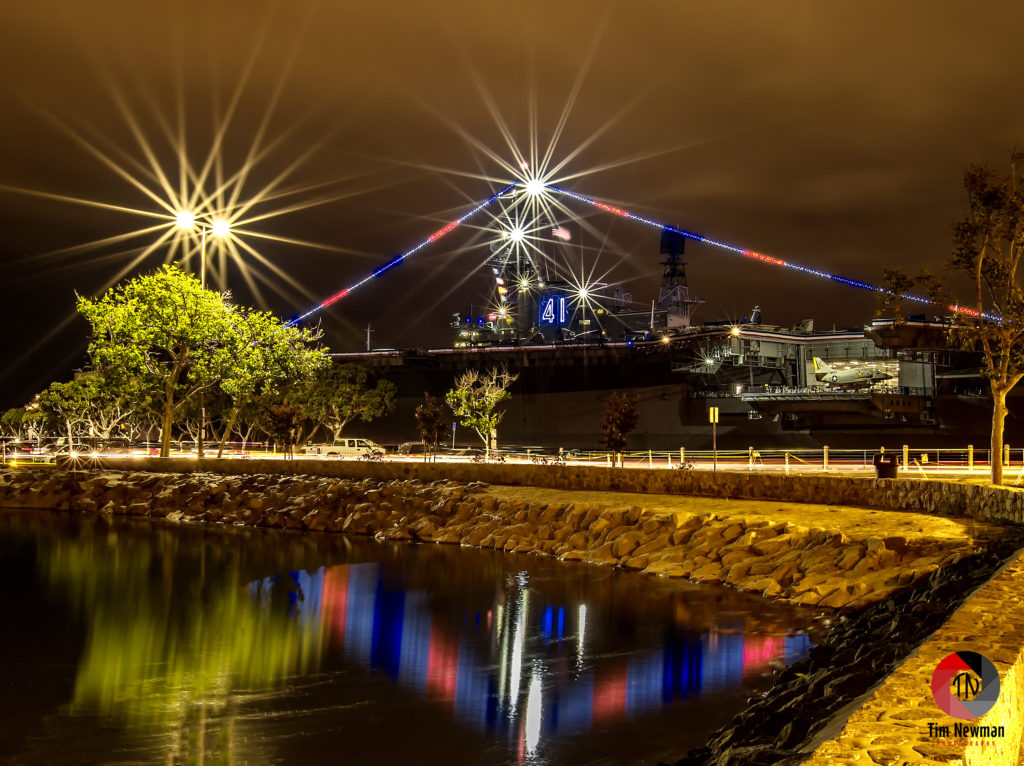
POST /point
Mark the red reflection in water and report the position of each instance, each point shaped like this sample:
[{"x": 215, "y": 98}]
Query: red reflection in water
[
  {"x": 610, "y": 693},
  {"x": 334, "y": 597},
  {"x": 759, "y": 651},
  {"x": 442, "y": 665}
]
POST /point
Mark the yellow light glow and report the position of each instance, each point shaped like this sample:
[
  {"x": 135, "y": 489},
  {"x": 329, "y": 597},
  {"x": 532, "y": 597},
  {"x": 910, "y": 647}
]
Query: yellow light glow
[
  {"x": 185, "y": 220},
  {"x": 221, "y": 228},
  {"x": 517, "y": 235},
  {"x": 665, "y": 339},
  {"x": 735, "y": 332}
]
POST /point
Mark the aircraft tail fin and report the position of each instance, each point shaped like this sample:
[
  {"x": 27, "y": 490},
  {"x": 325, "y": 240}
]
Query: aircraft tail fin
[{"x": 821, "y": 367}]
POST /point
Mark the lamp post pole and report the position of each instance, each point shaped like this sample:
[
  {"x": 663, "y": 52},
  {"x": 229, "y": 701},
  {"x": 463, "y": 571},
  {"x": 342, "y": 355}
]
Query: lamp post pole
[
  {"x": 187, "y": 220},
  {"x": 202, "y": 394}
]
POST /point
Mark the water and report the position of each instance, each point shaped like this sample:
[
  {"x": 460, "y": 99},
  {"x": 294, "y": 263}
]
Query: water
[{"x": 127, "y": 642}]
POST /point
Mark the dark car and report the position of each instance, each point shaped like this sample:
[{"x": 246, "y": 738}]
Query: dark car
[
  {"x": 419, "y": 449},
  {"x": 116, "y": 446}
]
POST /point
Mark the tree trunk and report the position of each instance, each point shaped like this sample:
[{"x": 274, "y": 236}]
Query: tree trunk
[
  {"x": 165, "y": 433},
  {"x": 996, "y": 445},
  {"x": 227, "y": 430}
]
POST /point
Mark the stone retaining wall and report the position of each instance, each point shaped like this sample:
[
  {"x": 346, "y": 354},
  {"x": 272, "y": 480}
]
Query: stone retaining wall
[
  {"x": 892, "y": 726},
  {"x": 776, "y": 559},
  {"x": 814, "y": 698},
  {"x": 995, "y": 504}
]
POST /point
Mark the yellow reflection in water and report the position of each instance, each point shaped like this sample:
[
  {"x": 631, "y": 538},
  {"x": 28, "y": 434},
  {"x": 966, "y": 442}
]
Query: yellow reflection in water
[{"x": 174, "y": 637}]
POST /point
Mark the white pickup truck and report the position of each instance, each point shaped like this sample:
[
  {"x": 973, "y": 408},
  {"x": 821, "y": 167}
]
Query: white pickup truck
[{"x": 345, "y": 447}]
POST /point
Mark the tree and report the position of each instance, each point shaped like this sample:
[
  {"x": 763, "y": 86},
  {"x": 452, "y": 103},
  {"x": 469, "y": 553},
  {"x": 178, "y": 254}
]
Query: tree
[
  {"x": 620, "y": 420},
  {"x": 894, "y": 300},
  {"x": 988, "y": 244},
  {"x": 164, "y": 337},
  {"x": 283, "y": 422},
  {"x": 474, "y": 398},
  {"x": 89, "y": 404},
  {"x": 37, "y": 422},
  {"x": 433, "y": 420},
  {"x": 13, "y": 422},
  {"x": 266, "y": 354},
  {"x": 341, "y": 393},
  {"x": 67, "y": 403}
]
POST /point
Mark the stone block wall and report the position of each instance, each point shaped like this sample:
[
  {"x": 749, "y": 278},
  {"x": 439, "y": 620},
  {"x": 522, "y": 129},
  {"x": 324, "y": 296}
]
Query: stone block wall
[
  {"x": 892, "y": 725},
  {"x": 946, "y": 498}
]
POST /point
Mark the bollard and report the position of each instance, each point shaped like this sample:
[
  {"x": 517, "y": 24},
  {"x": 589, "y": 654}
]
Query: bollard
[
  {"x": 650, "y": 459},
  {"x": 682, "y": 455},
  {"x": 787, "y": 464},
  {"x": 824, "y": 458},
  {"x": 750, "y": 457},
  {"x": 608, "y": 460},
  {"x": 970, "y": 456},
  {"x": 906, "y": 455},
  {"x": 1006, "y": 454}
]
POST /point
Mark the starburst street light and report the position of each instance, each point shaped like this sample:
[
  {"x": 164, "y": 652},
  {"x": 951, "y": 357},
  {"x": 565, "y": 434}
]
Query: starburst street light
[
  {"x": 535, "y": 187},
  {"x": 219, "y": 227}
]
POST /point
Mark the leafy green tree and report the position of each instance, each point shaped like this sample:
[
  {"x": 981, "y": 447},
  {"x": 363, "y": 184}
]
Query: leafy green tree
[
  {"x": 163, "y": 337},
  {"x": 67, "y": 404},
  {"x": 988, "y": 244},
  {"x": 38, "y": 422},
  {"x": 248, "y": 422},
  {"x": 433, "y": 420},
  {"x": 88, "y": 404},
  {"x": 13, "y": 422},
  {"x": 267, "y": 355},
  {"x": 620, "y": 420},
  {"x": 283, "y": 423},
  {"x": 341, "y": 393},
  {"x": 474, "y": 398}
]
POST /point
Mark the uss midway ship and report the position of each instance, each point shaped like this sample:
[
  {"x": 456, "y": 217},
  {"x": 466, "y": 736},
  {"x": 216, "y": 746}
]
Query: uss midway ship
[{"x": 885, "y": 384}]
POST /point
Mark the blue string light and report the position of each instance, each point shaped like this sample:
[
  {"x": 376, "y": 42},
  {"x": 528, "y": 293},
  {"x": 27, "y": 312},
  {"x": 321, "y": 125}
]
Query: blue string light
[
  {"x": 401, "y": 258},
  {"x": 759, "y": 256}
]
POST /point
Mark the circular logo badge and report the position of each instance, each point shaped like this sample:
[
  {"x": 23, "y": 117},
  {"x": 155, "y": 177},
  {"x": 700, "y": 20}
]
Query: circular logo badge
[{"x": 965, "y": 685}]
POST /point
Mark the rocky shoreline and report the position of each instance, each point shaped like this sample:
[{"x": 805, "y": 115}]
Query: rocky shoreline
[
  {"x": 776, "y": 559},
  {"x": 860, "y": 650},
  {"x": 887, "y": 594}
]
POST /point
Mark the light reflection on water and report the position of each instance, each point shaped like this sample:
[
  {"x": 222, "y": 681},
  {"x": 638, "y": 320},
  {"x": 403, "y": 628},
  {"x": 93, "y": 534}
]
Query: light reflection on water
[{"x": 186, "y": 644}]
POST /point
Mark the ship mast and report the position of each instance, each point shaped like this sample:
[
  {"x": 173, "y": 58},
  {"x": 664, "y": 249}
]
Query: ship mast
[{"x": 674, "y": 296}]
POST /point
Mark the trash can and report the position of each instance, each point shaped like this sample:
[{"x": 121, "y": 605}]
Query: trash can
[{"x": 886, "y": 464}]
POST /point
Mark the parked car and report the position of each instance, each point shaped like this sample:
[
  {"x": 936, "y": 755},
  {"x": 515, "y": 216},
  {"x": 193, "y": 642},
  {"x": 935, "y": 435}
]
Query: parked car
[
  {"x": 419, "y": 449},
  {"x": 345, "y": 447},
  {"x": 117, "y": 445}
]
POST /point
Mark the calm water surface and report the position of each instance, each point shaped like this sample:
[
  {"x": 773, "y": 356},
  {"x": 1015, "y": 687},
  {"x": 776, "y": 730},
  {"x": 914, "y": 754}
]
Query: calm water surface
[{"x": 133, "y": 643}]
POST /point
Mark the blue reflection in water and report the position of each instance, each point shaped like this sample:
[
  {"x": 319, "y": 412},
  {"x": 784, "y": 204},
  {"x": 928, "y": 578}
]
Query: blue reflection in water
[{"x": 488, "y": 668}]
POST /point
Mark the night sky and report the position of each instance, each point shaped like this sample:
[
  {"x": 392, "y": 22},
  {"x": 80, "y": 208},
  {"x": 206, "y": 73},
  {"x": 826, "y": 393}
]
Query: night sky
[{"x": 833, "y": 135}]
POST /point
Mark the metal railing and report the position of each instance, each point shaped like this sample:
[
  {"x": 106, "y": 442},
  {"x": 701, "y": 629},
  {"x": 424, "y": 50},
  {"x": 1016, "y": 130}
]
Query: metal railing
[{"x": 922, "y": 462}]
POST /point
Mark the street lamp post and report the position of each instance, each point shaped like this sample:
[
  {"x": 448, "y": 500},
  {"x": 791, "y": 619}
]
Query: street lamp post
[{"x": 218, "y": 228}]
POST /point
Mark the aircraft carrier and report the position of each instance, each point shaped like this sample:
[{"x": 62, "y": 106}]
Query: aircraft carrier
[{"x": 888, "y": 383}]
